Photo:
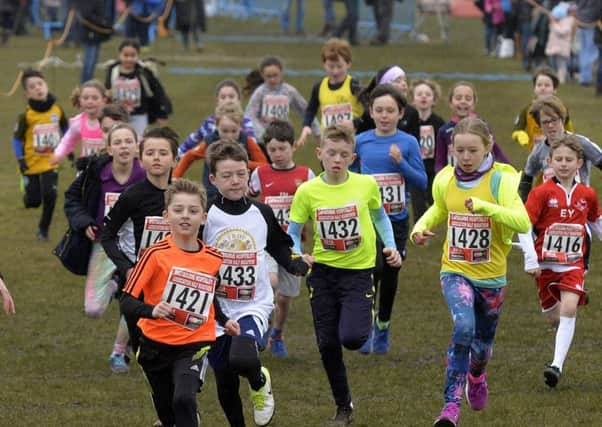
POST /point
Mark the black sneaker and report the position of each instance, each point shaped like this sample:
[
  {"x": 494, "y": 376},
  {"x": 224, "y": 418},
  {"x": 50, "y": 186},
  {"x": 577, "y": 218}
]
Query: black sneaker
[
  {"x": 344, "y": 415},
  {"x": 551, "y": 375},
  {"x": 42, "y": 236}
]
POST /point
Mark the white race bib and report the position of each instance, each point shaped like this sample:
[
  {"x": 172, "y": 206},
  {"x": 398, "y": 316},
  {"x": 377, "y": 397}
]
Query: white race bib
[
  {"x": 110, "y": 200},
  {"x": 127, "y": 92},
  {"x": 332, "y": 114},
  {"x": 45, "y": 138},
  {"x": 275, "y": 107},
  {"x": 191, "y": 295},
  {"x": 563, "y": 243},
  {"x": 339, "y": 228},
  {"x": 92, "y": 146},
  {"x": 469, "y": 238},
  {"x": 281, "y": 205},
  {"x": 427, "y": 142},
  {"x": 392, "y": 192},
  {"x": 155, "y": 229},
  {"x": 238, "y": 275}
]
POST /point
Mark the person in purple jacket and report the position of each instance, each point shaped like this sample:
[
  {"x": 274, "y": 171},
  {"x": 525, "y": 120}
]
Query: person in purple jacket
[
  {"x": 87, "y": 201},
  {"x": 462, "y": 102}
]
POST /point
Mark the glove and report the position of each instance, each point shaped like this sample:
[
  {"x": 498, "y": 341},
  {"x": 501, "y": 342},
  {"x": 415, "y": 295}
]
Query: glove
[
  {"x": 22, "y": 165},
  {"x": 298, "y": 266},
  {"x": 521, "y": 137}
]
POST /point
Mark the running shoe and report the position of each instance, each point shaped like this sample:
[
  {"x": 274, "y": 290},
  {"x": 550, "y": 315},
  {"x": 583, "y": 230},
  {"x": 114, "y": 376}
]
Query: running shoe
[
  {"x": 263, "y": 401},
  {"x": 381, "y": 340},
  {"x": 477, "y": 391},
  {"x": 118, "y": 364},
  {"x": 551, "y": 375},
  {"x": 449, "y": 416},
  {"x": 344, "y": 415}
]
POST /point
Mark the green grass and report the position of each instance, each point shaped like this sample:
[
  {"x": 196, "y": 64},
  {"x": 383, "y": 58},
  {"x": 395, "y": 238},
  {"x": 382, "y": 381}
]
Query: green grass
[{"x": 54, "y": 361}]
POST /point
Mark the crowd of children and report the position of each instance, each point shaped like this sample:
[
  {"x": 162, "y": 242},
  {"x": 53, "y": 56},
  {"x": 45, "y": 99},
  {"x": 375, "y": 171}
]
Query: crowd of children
[{"x": 206, "y": 274}]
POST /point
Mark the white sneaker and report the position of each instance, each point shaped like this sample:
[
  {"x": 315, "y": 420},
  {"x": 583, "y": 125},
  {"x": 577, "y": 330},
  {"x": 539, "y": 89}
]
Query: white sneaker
[{"x": 263, "y": 401}]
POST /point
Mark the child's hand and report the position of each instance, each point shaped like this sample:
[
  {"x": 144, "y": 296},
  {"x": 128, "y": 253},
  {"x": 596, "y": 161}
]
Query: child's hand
[
  {"x": 421, "y": 238},
  {"x": 54, "y": 160},
  {"x": 395, "y": 153},
  {"x": 162, "y": 310},
  {"x": 91, "y": 232},
  {"x": 534, "y": 272},
  {"x": 469, "y": 205},
  {"x": 305, "y": 132},
  {"x": 7, "y": 300},
  {"x": 309, "y": 260},
  {"x": 232, "y": 328},
  {"x": 392, "y": 257}
]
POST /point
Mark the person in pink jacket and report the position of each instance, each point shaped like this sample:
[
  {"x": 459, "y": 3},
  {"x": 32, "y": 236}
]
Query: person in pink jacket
[{"x": 560, "y": 39}]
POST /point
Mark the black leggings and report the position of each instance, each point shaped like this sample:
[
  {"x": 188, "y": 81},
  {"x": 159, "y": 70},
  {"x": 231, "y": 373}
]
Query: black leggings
[{"x": 40, "y": 189}]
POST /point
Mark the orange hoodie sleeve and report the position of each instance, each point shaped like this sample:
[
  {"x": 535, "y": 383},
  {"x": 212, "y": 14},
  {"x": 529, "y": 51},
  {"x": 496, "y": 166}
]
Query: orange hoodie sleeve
[
  {"x": 189, "y": 158},
  {"x": 256, "y": 156}
]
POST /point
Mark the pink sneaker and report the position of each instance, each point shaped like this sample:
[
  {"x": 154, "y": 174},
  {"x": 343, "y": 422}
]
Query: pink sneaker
[
  {"x": 477, "y": 391},
  {"x": 449, "y": 416}
]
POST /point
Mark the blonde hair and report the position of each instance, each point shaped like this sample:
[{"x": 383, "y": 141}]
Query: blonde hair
[
  {"x": 463, "y": 83},
  {"x": 185, "y": 186},
  {"x": 473, "y": 126},
  {"x": 231, "y": 110},
  {"x": 338, "y": 132},
  {"x": 569, "y": 141},
  {"x": 77, "y": 91},
  {"x": 431, "y": 84},
  {"x": 120, "y": 126}
]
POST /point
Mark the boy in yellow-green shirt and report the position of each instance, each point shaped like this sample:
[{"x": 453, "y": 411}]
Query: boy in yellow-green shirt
[{"x": 345, "y": 208}]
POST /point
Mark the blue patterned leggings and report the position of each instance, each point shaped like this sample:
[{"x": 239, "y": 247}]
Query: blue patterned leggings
[{"x": 475, "y": 312}]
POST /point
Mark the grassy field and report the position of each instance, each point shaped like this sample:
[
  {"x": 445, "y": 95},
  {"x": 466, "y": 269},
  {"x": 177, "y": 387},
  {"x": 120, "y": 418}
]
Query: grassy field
[{"x": 54, "y": 361}]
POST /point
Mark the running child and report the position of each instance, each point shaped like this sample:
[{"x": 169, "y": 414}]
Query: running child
[
  {"x": 277, "y": 184},
  {"x": 85, "y": 127},
  {"x": 140, "y": 208},
  {"x": 425, "y": 94},
  {"x": 526, "y": 130},
  {"x": 273, "y": 98},
  {"x": 336, "y": 95},
  {"x": 37, "y": 134},
  {"x": 462, "y": 102},
  {"x": 87, "y": 201},
  {"x": 392, "y": 157},
  {"x": 135, "y": 85},
  {"x": 172, "y": 291},
  {"x": 550, "y": 114},
  {"x": 244, "y": 231},
  {"x": 560, "y": 210},
  {"x": 111, "y": 115},
  {"x": 228, "y": 120},
  {"x": 8, "y": 305},
  {"x": 344, "y": 208},
  {"x": 226, "y": 91},
  {"x": 479, "y": 201},
  {"x": 395, "y": 76}
]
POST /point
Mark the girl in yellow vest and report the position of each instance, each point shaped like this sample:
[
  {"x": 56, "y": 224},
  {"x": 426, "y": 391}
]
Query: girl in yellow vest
[{"x": 479, "y": 200}]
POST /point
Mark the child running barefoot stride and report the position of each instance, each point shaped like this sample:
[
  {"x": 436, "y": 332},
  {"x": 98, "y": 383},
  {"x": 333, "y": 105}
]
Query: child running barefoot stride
[
  {"x": 345, "y": 209},
  {"x": 560, "y": 210},
  {"x": 172, "y": 291},
  {"x": 478, "y": 198}
]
